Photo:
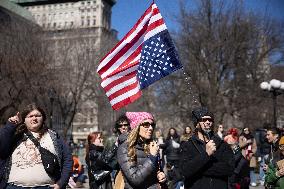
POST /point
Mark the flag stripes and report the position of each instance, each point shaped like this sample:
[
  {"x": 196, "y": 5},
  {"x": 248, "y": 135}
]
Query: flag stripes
[{"x": 118, "y": 68}]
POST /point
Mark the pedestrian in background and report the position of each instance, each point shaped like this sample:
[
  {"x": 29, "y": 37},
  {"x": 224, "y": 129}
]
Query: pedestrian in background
[
  {"x": 121, "y": 128},
  {"x": 206, "y": 161},
  {"x": 160, "y": 141},
  {"x": 232, "y": 138},
  {"x": 220, "y": 131},
  {"x": 187, "y": 133},
  {"x": 273, "y": 137},
  {"x": 122, "y": 125},
  {"x": 263, "y": 150},
  {"x": 275, "y": 173},
  {"x": 23, "y": 164},
  {"x": 100, "y": 162},
  {"x": 248, "y": 146},
  {"x": 171, "y": 149},
  {"x": 138, "y": 156}
]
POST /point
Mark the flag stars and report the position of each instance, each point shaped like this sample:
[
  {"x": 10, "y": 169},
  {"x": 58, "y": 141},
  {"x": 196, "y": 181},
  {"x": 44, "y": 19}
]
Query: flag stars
[{"x": 155, "y": 62}]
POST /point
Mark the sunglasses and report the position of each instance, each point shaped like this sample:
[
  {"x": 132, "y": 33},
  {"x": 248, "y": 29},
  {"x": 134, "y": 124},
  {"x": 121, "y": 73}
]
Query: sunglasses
[
  {"x": 206, "y": 119},
  {"x": 147, "y": 125},
  {"x": 125, "y": 125}
]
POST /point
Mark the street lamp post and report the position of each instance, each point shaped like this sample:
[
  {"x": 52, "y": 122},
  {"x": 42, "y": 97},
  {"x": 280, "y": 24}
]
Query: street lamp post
[{"x": 275, "y": 87}]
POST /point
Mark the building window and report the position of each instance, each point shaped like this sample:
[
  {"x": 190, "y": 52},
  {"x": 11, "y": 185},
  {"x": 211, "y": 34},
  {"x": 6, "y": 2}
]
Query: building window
[
  {"x": 94, "y": 22},
  {"x": 71, "y": 24},
  {"x": 54, "y": 24},
  {"x": 82, "y": 23},
  {"x": 88, "y": 22}
]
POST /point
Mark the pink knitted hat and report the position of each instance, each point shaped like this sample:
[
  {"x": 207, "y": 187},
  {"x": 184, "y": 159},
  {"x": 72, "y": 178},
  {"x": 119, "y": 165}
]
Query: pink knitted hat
[{"x": 136, "y": 118}]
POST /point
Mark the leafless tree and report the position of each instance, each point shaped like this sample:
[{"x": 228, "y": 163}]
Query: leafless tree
[
  {"x": 23, "y": 64},
  {"x": 226, "y": 52}
]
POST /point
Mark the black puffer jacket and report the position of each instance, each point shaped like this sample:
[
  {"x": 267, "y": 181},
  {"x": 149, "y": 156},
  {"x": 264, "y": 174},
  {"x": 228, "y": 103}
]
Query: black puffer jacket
[
  {"x": 140, "y": 175},
  {"x": 99, "y": 160},
  {"x": 202, "y": 171},
  {"x": 170, "y": 151}
]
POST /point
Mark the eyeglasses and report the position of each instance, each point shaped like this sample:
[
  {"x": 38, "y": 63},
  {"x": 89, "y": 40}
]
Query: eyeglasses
[
  {"x": 123, "y": 125},
  {"x": 206, "y": 119},
  {"x": 147, "y": 125}
]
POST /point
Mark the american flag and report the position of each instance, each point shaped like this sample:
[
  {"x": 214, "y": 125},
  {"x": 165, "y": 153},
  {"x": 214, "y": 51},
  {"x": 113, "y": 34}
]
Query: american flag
[{"x": 145, "y": 55}]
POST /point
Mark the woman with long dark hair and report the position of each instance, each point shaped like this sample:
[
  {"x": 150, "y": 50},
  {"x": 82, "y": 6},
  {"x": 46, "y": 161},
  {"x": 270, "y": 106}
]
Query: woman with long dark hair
[
  {"x": 172, "y": 147},
  {"x": 187, "y": 133},
  {"x": 100, "y": 162}
]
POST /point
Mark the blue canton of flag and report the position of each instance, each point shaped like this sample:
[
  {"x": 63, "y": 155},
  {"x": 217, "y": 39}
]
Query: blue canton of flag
[{"x": 158, "y": 59}]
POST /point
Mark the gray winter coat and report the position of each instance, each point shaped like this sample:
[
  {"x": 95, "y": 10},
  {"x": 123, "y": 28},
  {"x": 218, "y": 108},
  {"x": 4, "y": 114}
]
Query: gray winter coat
[{"x": 140, "y": 175}]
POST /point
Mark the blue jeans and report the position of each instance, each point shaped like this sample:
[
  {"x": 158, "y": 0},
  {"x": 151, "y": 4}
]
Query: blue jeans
[
  {"x": 252, "y": 175},
  {"x": 12, "y": 186},
  {"x": 261, "y": 171}
]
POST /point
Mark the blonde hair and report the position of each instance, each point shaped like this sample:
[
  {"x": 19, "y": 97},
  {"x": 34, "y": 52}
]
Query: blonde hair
[{"x": 132, "y": 141}]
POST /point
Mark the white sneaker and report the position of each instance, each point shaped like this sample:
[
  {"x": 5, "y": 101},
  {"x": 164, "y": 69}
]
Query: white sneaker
[
  {"x": 261, "y": 183},
  {"x": 253, "y": 184}
]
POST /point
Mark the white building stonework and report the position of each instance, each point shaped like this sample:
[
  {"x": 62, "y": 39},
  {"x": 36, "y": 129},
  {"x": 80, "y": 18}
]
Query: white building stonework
[{"x": 68, "y": 15}]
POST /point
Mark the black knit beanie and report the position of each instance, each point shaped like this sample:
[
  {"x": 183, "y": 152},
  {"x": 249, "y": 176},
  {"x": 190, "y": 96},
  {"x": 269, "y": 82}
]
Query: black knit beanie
[{"x": 198, "y": 113}]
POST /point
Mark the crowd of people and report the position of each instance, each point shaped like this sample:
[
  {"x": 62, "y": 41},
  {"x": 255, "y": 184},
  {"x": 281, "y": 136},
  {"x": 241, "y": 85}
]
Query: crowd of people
[{"x": 203, "y": 157}]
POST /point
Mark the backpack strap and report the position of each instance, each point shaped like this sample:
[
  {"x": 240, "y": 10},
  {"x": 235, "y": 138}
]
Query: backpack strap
[{"x": 33, "y": 139}]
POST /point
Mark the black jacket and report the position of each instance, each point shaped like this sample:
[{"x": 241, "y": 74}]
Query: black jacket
[
  {"x": 171, "y": 152},
  {"x": 98, "y": 160},
  {"x": 201, "y": 171}
]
